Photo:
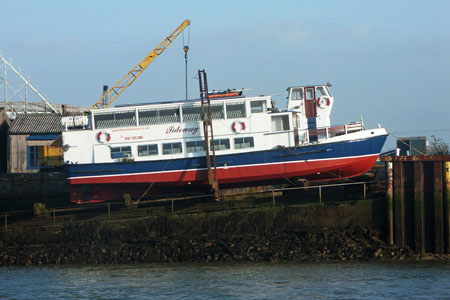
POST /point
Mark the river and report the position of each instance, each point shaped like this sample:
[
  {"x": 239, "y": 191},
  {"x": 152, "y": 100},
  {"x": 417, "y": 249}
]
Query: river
[{"x": 330, "y": 280}]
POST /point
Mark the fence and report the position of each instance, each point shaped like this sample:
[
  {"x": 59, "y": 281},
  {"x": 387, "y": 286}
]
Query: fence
[{"x": 115, "y": 210}]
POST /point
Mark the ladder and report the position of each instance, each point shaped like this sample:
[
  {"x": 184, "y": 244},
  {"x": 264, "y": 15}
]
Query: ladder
[{"x": 208, "y": 133}]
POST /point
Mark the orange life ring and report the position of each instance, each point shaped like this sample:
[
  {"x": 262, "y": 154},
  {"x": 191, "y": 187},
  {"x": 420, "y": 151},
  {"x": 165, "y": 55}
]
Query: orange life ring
[
  {"x": 103, "y": 137},
  {"x": 323, "y": 102},
  {"x": 238, "y": 126}
]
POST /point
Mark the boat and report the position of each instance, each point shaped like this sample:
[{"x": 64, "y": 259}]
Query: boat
[{"x": 134, "y": 149}]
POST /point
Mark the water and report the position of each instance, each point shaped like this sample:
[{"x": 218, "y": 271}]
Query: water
[{"x": 337, "y": 280}]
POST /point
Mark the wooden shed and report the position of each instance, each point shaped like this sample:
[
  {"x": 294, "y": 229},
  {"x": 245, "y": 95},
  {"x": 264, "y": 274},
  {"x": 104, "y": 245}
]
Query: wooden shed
[{"x": 34, "y": 143}]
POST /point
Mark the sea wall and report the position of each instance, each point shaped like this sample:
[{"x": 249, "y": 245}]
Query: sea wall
[
  {"x": 310, "y": 233},
  {"x": 19, "y": 191}
]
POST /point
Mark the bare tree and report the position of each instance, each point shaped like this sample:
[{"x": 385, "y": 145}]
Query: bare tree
[{"x": 438, "y": 146}]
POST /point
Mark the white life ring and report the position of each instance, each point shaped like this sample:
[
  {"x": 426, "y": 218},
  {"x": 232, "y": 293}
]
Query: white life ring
[
  {"x": 323, "y": 102},
  {"x": 103, "y": 137},
  {"x": 239, "y": 126}
]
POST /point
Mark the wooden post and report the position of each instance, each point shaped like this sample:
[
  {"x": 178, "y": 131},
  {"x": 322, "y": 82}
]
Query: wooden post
[
  {"x": 419, "y": 207},
  {"x": 109, "y": 211},
  {"x": 172, "y": 206},
  {"x": 6, "y": 221},
  {"x": 54, "y": 216},
  {"x": 438, "y": 209},
  {"x": 447, "y": 208},
  {"x": 390, "y": 200},
  {"x": 399, "y": 204}
]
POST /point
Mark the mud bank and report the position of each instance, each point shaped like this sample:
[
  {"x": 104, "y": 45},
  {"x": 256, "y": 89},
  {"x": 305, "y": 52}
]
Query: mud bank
[{"x": 264, "y": 235}]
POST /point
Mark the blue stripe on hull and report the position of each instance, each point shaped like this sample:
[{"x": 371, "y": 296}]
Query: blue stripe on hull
[{"x": 342, "y": 149}]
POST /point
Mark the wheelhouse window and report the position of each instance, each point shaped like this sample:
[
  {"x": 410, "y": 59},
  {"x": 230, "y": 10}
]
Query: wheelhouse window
[
  {"x": 297, "y": 94},
  {"x": 243, "y": 142},
  {"x": 172, "y": 148},
  {"x": 258, "y": 107},
  {"x": 147, "y": 150},
  {"x": 115, "y": 119},
  {"x": 195, "y": 146},
  {"x": 159, "y": 116},
  {"x": 320, "y": 91},
  {"x": 221, "y": 144},
  {"x": 235, "y": 110},
  {"x": 280, "y": 123},
  {"x": 120, "y": 152},
  {"x": 309, "y": 93}
]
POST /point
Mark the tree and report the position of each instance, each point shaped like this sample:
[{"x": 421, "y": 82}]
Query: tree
[{"x": 438, "y": 146}]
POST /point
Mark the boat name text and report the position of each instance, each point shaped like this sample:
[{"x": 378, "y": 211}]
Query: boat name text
[{"x": 173, "y": 129}]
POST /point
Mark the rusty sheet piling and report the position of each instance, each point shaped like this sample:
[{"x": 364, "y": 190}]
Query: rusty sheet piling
[
  {"x": 418, "y": 202},
  {"x": 447, "y": 208},
  {"x": 390, "y": 200}
]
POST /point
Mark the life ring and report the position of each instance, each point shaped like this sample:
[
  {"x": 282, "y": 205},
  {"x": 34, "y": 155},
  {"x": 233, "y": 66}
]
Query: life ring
[
  {"x": 238, "y": 126},
  {"x": 323, "y": 102},
  {"x": 103, "y": 137}
]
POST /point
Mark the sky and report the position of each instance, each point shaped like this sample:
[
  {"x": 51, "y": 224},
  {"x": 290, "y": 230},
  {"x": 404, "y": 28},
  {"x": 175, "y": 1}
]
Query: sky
[{"x": 388, "y": 61}]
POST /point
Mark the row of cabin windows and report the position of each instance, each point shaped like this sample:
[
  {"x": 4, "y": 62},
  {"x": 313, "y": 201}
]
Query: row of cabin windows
[
  {"x": 308, "y": 93},
  {"x": 175, "y": 148},
  {"x": 172, "y": 115}
]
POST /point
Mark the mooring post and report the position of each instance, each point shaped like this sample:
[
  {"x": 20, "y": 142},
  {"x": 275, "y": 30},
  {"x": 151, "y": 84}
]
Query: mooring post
[
  {"x": 273, "y": 198},
  {"x": 364, "y": 192},
  {"x": 54, "y": 216},
  {"x": 320, "y": 194},
  {"x": 6, "y": 221},
  {"x": 399, "y": 204},
  {"x": 447, "y": 207},
  {"x": 390, "y": 200},
  {"x": 438, "y": 209},
  {"x": 109, "y": 211},
  {"x": 172, "y": 206},
  {"x": 419, "y": 208}
]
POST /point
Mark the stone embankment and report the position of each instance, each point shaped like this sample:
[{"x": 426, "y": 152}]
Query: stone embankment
[{"x": 260, "y": 236}]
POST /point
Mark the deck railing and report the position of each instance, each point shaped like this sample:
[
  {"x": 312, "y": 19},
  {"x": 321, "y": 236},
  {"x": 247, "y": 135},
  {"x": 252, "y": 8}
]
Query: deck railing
[{"x": 329, "y": 132}]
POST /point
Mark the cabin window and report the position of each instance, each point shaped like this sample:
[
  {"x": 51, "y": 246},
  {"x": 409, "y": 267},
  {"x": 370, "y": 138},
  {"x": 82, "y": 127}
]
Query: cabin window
[
  {"x": 258, "y": 107},
  {"x": 195, "y": 146},
  {"x": 221, "y": 144},
  {"x": 120, "y": 152},
  {"x": 172, "y": 148},
  {"x": 217, "y": 111},
  {"x": 192, "y": 114},
  {"x": 235, "y": 110},
  {"x": 320, "y": 91},
  {"x": 115, "y": 119},
  {"x": 297, "y": 94},
  {"x": 159, "y": 116},
  {"x": 243, "y": 142},
  {"x": 147, "y": 150},
  {"x": 280, "y": 123}
]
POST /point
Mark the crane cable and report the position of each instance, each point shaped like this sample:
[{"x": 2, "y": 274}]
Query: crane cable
[{"x": 186, "y": 49}]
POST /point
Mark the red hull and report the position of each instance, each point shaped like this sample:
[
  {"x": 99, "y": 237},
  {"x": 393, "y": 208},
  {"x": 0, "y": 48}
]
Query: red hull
[{"x": 106, "y": 188}]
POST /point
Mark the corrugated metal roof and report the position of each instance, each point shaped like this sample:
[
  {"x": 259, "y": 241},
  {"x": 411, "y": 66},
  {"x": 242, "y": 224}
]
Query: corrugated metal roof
[{"x": 36, "y": 124}]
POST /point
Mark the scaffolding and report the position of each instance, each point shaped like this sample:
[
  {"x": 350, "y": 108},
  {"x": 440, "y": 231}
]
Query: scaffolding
[{"x": 16, "y": 93}]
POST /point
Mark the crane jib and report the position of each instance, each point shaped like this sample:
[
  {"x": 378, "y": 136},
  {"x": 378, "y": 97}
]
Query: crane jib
[{"x": 137, "y": 70}]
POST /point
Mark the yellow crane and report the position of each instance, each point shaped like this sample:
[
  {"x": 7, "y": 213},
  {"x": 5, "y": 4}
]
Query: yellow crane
[{"x": 128, "y": 79}]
